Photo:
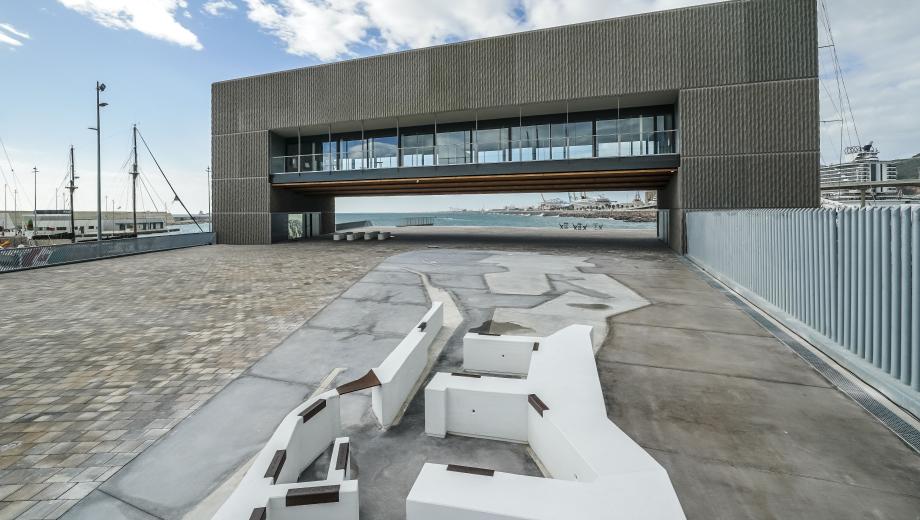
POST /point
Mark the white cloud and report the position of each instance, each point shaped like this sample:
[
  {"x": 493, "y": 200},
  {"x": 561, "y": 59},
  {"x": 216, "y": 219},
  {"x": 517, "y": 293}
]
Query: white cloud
[
  {"x": 324, "y": 29},
  {"x": 155, "y": 18},
  {"x": 12, "y": 36},
  {"x": 330, "y": 29},
  {"x": 217, "y": 7}
]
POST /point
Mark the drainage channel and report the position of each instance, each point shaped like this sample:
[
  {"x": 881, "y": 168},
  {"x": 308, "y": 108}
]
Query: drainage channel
[{"x": 904, "y": 430}]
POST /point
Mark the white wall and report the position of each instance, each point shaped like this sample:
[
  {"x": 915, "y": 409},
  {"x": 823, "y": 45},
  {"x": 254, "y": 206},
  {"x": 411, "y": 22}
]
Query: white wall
[
  {"x": 400, "y": 372},
  {"x": 488, "y": 407},
  {"x": 497, "y": 354}
]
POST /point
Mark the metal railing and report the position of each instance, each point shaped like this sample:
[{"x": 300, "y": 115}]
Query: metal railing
[
  {"x": 847, "y": 280},
  {"x": 18, "y": 259},
  {"x": 521, "y": 150},
  {"x": 416, "y": 221}
]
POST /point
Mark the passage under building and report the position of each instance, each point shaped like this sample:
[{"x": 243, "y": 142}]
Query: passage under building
[{"x": 714, "y": 106}]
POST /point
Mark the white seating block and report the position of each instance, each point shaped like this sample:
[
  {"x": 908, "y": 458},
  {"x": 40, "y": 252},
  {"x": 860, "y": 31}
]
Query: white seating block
[
  {"x": 596, "y": 470},
  {"x": 498, "y": 354}
]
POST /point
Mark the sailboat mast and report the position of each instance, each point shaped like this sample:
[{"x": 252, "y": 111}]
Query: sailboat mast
[
  {"x": 72, "y": 187},
  {"x": 134, "y": 173}
]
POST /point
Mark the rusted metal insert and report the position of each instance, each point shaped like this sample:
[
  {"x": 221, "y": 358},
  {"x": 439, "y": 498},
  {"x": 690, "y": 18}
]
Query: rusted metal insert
[
  {"x": 369, "y": 380},
  {"x": 311, "y": 495},
  {"x": 537, "y": 404},
  {"x": 471, "y": 470},
  {"x": 313, "y": 409},
  {"x": 274, "y": 467}
]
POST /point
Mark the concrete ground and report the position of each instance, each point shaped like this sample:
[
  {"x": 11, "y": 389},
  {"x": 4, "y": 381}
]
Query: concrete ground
[{"x": 744, "y": 427}]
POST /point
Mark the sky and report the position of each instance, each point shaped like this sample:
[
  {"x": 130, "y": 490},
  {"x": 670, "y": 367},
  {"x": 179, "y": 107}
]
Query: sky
[{"x": 158, "y": 59}]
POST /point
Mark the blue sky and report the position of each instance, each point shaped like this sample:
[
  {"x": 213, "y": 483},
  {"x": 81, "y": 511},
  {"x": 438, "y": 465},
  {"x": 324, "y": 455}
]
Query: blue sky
[{"x": 159, "y": 58}]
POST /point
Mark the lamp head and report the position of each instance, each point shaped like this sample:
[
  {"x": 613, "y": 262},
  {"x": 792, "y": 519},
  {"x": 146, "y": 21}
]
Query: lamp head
[
  {"x": 101, "y": 87},
  {"x": 103, "y": 105}
]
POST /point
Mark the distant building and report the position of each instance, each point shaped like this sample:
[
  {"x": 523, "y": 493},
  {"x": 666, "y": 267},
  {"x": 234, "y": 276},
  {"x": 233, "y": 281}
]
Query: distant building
[
  {"x": 51, "y": 221},
  {"x": 865, "y": 167}
]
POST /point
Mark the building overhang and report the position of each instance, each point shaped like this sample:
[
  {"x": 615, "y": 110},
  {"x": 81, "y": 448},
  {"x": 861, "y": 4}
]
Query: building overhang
[{"x": 620, "y": 173}]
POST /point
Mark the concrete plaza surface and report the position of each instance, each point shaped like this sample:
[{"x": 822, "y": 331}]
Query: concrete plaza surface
[{"x": 190, "y": 359}]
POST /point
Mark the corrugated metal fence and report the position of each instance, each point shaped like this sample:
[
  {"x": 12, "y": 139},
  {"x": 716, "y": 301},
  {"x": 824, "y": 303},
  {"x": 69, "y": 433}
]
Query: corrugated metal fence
[
  {"x": 848, "y": 280},
  {"x": 17, "y": 259}
]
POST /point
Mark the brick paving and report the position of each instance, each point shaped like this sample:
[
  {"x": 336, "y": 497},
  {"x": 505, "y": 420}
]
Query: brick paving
[{"x": 98, "y": 360}]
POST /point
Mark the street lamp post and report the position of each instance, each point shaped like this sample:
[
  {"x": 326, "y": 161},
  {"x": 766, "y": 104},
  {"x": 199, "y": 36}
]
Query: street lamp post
[{"x": 100, "y": 87}]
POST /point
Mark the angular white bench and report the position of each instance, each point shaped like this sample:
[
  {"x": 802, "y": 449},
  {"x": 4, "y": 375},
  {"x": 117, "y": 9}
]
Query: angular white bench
[
  {"x": 270, "y": 490},
  {"x": 597, "y": 471},
  {"x": 394, "y": 381}
]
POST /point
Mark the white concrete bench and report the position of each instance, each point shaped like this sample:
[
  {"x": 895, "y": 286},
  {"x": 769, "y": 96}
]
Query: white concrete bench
[
  {"x": 383, "y": 235},
  {"x": 371, "y": 235},
  {"x": 597, "y": 470},
  {"x": 494, "y": 353},
  {"x": 270, "y": 490},
  {"x": 394, "y": 381}
]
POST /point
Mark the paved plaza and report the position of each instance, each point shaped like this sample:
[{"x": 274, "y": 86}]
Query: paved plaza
[{"x": 143, "y": 385}]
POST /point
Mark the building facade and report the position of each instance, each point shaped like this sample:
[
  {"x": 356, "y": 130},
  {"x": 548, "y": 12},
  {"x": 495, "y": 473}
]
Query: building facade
[{"x": 713, "y": 107}]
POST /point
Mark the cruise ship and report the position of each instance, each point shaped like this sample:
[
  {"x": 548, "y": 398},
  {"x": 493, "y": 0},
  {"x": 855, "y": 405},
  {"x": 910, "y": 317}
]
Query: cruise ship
[{"x": 865, "y": 167}]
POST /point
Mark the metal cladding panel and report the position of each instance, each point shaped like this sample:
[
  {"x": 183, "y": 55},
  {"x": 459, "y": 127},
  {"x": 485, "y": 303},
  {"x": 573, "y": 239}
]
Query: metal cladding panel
[
  {"x": 282, "y": 100},
  {"x": 491, "y": 79},
  {"x": 267, "y": 102},
  {"x": 448, "y": 79},
  {"x": 222, "y": 151},
  {"x": 303, "y": 84},
  {"x": 711, "y": 45},
  {"x": 254, "y": 160},
  {"x": 781, "y": 38},
  {"x": 750, "y": 118},
  {"x": 241, "y": 195},
  {"x": 782, "y": 180},
  {"x": 377, "y": 84},
  {"x": 787, "y": 180},
  {"x": 781, "y": 116},
  {"x": 252, "y": 102},
  {"x": 540, "y": 66},
  {"x": 653, "y": 52},
  {"x": 324, "y": 95},
  {"x": 346, "y": 92},
  {"x": 242, "y": 228},
  {"x": 595, "y": 57},
  {"x": 221, "y": 108},
  {"x": 412, "y": 83},
  {"x": 712, "y": 42},
  {"x": 712, "y": 121}
]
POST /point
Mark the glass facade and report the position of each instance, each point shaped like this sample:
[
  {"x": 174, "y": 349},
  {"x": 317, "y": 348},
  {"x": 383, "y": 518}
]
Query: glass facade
[{"x": 584, "y": 135}]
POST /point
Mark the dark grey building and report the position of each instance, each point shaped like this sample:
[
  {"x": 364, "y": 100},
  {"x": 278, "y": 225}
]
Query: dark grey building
[{"x": 714, "y": 106}]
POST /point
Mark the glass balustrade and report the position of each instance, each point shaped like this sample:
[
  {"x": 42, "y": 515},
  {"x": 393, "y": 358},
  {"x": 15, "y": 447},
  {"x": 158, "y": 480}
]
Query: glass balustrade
[{"x": 488, "y": 148}]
